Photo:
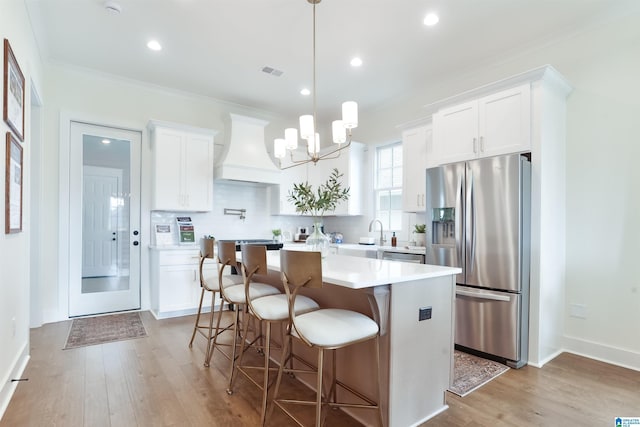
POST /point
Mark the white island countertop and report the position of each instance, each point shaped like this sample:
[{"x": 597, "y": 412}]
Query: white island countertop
[{"x": 357, "y": 272}]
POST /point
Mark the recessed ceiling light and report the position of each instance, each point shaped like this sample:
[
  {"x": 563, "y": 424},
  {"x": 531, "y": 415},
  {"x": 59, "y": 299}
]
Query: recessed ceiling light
[
  {"x": 106, "y": 141},
  {"x": 356, "y": 62},
  {"x": 305, "y": 92},
  {"x": 154, "y": 45},
  {"x": 431, "y": 19}
]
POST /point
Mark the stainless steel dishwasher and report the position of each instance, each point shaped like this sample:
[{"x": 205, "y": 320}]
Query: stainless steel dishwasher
[{"x": 403, "y": 256}]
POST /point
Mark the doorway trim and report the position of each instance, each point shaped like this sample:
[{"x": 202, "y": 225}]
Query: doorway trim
[{"x": 64, "y": 200}]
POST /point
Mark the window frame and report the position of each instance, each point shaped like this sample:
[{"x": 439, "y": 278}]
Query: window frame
[{"x": 393, "y": 192}]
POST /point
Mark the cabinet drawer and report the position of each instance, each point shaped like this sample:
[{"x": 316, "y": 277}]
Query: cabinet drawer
[{"x": 179, "y": 257}]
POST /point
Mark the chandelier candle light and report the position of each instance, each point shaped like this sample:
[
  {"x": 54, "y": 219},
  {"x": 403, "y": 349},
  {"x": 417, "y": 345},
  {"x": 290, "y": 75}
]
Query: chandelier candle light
[{"x": 341, "y": 129}]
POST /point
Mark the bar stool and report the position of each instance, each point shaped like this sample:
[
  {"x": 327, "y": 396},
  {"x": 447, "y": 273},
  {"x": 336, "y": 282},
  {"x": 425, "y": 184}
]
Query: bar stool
[
  {"x": 323, "y": 329},
  {"x": 237, "y": 295},
  {"x": 211, "y": 284},
  {"x": 269, "y": 309}
]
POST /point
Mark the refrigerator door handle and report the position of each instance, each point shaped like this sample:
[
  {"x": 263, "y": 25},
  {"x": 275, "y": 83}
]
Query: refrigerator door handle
[
  {"x": 457, "y": 222},
  {"x": 493, "y": 297},
  {"x": 471, "y": 212}
]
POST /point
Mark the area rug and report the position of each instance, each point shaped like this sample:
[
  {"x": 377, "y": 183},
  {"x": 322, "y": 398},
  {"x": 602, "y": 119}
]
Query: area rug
[
  {"x": 472, "y": 372},
  {"x": 103, "y": 329}
]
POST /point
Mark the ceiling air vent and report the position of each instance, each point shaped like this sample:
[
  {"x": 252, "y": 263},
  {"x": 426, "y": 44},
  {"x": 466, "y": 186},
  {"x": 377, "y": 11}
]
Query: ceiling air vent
[{"x": 272, "y": 71}]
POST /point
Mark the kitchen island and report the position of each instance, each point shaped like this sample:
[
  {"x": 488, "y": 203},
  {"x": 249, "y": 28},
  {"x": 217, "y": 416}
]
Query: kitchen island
[{"x": 416, "y": 355}]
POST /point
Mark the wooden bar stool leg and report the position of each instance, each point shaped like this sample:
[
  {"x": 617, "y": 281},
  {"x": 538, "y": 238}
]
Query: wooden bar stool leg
[
  {"x": 234, "y": 345},
  {"x": 265, "y": 383},
  {"x": 377, "y": 373},
  {"x": 283, "y": 358},
  {"x": 210, "y": 335},
  {"x": 334, "y": 375},
  {"x": 319, "y": 388},
  {"x": 214, "y": 342},
  {"x": 195, "y": 327}
]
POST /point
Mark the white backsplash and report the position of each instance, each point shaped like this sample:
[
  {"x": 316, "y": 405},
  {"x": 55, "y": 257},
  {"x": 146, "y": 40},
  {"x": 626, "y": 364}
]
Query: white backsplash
[
  {"x": 229, "y": 195},
  {"x": 258, "y": 221}
]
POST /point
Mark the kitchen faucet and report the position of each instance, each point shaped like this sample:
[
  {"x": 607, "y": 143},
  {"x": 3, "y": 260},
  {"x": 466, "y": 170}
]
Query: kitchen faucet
[{"x": 371, "y": 225}]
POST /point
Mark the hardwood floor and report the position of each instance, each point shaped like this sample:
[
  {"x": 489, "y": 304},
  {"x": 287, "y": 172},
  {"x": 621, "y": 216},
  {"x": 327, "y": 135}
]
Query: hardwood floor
[{"x": 159, "y": 381}]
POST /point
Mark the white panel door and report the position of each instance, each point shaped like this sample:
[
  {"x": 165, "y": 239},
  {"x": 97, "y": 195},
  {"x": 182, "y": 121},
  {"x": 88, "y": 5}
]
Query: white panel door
[
  {"x": 107, "y": 148},
  {"x": 100, "y": 221}
]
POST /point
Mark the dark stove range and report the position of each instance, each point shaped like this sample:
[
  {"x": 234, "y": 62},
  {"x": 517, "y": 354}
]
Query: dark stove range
[{"x": 271, "y": 245}]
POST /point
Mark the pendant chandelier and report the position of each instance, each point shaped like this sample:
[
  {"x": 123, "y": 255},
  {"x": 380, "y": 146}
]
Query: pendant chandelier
[{"x": 341, "y": 129}]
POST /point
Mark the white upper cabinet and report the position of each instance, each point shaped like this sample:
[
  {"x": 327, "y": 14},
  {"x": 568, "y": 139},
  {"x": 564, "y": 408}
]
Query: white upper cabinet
[
  {"x": 350, "y": 164},
  {"x": 182, "y": 167},
  {"x": 280, "y": 203},
  {"x": 496, "y": 124},
  {"x": 417, "y": 156}
]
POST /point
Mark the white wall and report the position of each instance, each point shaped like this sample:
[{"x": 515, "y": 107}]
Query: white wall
[
  {"x": 602, "y": 230},
  {"x": 73, "y": 93},
  {"x": 14, "y": 248}
]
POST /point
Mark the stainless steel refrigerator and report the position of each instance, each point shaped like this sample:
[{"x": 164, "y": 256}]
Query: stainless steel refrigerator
[{"x": 479, "y": 213}]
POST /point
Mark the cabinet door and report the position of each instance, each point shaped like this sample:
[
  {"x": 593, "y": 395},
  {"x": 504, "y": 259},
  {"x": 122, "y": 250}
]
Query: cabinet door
[
  {"x": 288, "y": 177},
  {"x": 505, "y": 122},
  {"x": 198, "y": 172},
  {"x": 456, "y": 132},
  {"x": 351, "y": 165},
  {"x": 179, "y": 286},
  {"x": 414, "y": 164},
  {"x": 167, "y": 180}
]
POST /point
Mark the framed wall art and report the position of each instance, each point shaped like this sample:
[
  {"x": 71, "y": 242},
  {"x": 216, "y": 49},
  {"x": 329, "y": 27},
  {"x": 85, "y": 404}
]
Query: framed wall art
[
  {"x": 13, "y": 186},
  {"x": 13, "y": 105}
]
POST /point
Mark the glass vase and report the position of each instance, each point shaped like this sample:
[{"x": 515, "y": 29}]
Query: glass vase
[{"x": 317, "y": 241}]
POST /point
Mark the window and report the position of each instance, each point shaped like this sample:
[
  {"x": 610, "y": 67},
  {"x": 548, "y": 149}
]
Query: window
[{"x": 389, "y": 186}]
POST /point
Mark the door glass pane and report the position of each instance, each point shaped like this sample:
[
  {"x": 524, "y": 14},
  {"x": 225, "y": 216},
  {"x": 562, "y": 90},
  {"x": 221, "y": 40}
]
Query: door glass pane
[{"x": 105, "y": 214}]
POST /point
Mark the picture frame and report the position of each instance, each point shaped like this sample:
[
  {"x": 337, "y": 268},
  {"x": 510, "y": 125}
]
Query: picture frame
[
  {"x": 13, "y": 102},
  {"x": 13, "y": 186}
]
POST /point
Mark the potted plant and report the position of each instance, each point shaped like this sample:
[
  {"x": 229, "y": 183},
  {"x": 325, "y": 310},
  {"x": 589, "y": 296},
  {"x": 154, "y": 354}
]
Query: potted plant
[
  {"x": 325, "y": 198},
  {"x": 420, "y": 230},
  {"x": 276, "y": 234}
]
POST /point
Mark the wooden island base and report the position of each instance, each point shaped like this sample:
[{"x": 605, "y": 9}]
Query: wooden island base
[{"x": 416, "y": 355}]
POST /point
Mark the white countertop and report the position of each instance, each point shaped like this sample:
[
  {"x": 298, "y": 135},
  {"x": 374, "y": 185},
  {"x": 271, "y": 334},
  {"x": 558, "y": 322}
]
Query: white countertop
[
  {"x": 191, "y": 246},
  {"x": 357, "y": 272}
]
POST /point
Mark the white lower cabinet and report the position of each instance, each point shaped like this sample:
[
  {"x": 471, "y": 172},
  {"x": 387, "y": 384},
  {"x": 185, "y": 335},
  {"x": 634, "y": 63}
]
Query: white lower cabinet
[{"x": 175, "y": 282}]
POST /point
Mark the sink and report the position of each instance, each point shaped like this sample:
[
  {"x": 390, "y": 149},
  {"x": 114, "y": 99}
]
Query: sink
[{"x": 366, "y": 251}]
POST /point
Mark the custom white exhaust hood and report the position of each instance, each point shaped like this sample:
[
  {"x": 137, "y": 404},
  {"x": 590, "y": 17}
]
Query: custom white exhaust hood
[{"x": 245, "y": 157}]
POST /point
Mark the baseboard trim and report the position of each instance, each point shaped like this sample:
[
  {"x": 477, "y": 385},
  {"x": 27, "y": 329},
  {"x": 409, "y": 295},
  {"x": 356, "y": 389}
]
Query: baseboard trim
[
  {"x": 9, "y": 387},
  {"x": 546, "y": 360},
  {"x": 604, "y": 353}
]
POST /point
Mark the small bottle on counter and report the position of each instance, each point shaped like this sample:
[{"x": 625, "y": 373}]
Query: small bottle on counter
[{"x": 394, "y": 241}]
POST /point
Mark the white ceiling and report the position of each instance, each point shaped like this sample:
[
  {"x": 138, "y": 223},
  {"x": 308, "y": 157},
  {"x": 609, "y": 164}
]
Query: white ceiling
[{"x": 217, "y": 48}]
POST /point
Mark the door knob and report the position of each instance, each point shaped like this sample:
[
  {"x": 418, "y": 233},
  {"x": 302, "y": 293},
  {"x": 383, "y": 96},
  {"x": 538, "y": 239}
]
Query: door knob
[
  {"x": 114, "y": 239},
  {"x": 136, "y": 232},
  {"x": 136, "y": 243}
]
